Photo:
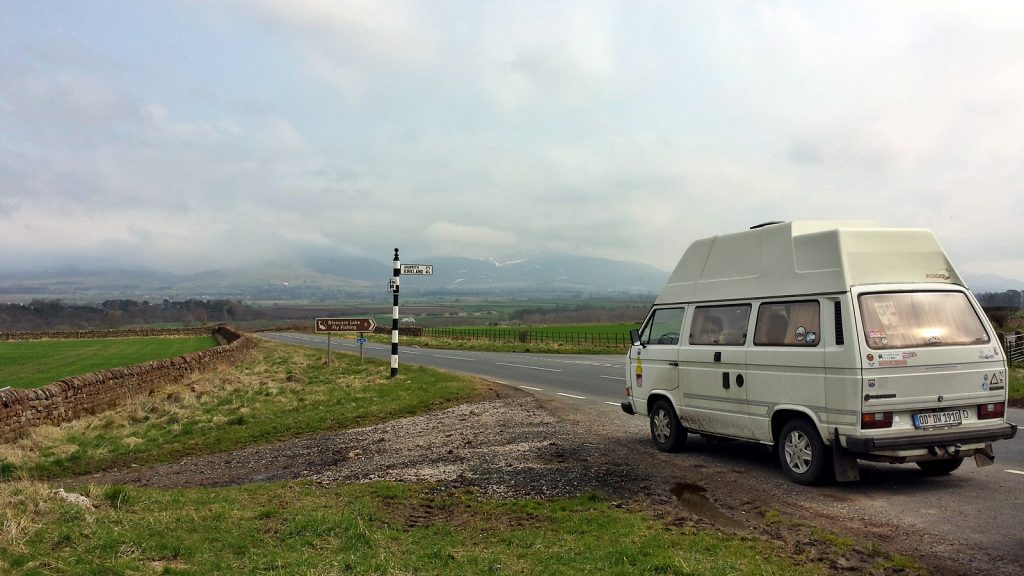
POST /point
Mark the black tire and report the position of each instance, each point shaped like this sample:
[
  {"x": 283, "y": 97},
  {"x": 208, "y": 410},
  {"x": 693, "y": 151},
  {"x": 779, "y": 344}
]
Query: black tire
[
  {"x": 940, "y": 467},
  {"x": 803, "y": 455},
  {"x": 667, "y": 431}
]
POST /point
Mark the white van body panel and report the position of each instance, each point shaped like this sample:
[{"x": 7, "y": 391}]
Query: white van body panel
[
  {"x": 811, "y": 278},
  {"x": 805, "y": 258}
]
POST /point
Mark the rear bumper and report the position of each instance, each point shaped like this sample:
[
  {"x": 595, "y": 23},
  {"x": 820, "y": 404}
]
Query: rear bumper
[
  {"x": 627, "y": 407},
  {"x": 863, "y": 445}
]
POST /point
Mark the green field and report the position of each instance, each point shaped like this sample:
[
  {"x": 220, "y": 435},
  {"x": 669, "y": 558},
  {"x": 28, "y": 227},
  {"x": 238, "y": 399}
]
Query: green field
[
  {"x": 40, "y": 362},
  {"x": 589, "y": 329}
]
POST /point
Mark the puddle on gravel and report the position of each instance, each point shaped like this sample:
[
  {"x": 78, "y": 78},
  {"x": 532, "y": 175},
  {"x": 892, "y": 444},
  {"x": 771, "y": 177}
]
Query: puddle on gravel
[{"x": 692, "y": 498}]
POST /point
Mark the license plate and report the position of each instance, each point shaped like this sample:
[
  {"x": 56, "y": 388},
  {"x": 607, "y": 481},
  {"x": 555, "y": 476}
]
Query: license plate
[{"x": 939, "y": 419}]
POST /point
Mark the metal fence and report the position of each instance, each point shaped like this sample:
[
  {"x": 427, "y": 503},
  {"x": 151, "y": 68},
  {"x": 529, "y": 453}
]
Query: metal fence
[
  {"x": 514, "y": 335},
  {"x": 1013, "y": 344}
]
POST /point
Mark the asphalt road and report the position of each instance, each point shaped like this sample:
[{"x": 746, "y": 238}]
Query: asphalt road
[{"x": 973, "y": 506}]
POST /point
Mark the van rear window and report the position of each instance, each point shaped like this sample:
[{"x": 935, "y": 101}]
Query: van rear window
[{"x": 920, "y": 319}]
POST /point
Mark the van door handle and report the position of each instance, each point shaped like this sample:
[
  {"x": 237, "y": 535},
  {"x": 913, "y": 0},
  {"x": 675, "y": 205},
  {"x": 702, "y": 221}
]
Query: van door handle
[
  {"x": 718, "y": 356},
  {"x": 725, "y": 380},
  {"x": 673, "y": 364},
  {"x": 739, "y": 380}
]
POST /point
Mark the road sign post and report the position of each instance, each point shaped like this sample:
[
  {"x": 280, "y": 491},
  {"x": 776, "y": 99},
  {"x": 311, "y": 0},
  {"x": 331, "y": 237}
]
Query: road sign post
[
  {"x": 396, "y": 278},
  {"x": 417, "y": 269},
  {"x": 345, "y": 325},
  {"x": 331, "y": 325}
]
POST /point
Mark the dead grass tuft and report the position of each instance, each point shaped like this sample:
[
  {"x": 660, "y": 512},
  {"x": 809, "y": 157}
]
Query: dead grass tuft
[{"x": 27, "y": 505}]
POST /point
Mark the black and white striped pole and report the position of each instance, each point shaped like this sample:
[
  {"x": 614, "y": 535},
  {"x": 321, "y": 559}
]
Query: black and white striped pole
[{"x": 395, "y": 279}]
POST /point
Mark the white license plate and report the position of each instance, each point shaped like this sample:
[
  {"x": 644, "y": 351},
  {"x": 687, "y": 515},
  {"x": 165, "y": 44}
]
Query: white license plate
[{"x": 939, "y": 419}]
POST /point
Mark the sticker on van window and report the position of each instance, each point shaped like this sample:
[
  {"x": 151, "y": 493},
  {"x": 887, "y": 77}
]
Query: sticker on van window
[{"x": 876, "y": 333}]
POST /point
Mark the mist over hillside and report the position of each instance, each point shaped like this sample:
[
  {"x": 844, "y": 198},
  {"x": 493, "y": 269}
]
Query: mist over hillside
[{"x": 322, "y": 277}]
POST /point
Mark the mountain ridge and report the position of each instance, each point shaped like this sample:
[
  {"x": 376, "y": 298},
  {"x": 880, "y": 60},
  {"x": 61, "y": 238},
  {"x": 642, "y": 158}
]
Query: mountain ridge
[{"x": 324, "y": 276}]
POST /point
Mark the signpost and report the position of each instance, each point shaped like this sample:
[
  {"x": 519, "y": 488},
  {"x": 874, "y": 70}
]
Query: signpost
[
  {"x": 345, "y": 324},
  {"x": 330, "y": 325},
  {"x": 417, "y": 269},
  {"x": 394, "y": 285}
]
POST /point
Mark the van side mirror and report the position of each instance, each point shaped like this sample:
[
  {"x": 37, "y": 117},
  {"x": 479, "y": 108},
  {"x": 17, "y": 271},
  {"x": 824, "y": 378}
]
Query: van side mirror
[{"x": 634, "y": 337}]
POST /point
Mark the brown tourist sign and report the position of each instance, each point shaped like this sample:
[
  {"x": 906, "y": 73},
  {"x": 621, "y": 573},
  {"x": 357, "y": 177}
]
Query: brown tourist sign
[{"x": 345, "y": 324}]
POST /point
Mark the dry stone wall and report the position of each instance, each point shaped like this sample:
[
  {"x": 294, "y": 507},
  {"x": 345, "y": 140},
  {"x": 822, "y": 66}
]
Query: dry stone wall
[{"x": 76, "y": 396}]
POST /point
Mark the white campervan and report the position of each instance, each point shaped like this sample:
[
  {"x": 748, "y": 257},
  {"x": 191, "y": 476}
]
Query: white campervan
[{"x": 829, "y": 341}]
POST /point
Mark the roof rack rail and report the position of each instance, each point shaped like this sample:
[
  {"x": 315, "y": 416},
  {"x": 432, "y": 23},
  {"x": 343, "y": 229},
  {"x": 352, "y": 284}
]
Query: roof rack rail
[{"x": 763, "y": 224}]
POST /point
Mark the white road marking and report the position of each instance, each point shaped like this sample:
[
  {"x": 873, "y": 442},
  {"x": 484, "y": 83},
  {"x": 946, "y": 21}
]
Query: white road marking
[
  {"x": 1014, "y": 471},
  {"x": 613, "y": 377},
  {"x": 454, "y": 357},
  {"x": 586, "y": 362},
  {"x": 571, "y": 395},
  {"x": 525, "y": 387},
  {"x": 530, "y": 367},
  {"x": 496, "y": 381},
  {"x": 613, "y": 403}
]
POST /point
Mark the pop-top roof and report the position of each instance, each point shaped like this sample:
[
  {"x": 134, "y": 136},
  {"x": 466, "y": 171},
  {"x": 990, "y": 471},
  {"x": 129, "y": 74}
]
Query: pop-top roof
[{"x": 806, "y": 257}]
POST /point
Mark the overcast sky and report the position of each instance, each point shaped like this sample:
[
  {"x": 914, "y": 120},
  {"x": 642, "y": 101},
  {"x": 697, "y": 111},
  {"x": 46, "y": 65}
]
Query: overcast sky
[{"x": 188, "y": 135}]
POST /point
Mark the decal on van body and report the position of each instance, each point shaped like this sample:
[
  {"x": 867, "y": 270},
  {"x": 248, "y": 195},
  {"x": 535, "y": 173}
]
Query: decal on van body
[
  {"x": 995, "y": 382},
  {"x": 890, "y": 359}
]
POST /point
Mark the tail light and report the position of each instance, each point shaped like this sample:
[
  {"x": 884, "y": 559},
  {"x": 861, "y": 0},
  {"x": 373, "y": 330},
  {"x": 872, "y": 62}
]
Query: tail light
[
  {"x": 991, "y": 410},
  {"x": 874, "y": 420}
]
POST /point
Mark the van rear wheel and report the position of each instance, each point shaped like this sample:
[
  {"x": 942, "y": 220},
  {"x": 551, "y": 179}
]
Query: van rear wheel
[
  {"x": 804, "y": 457},
  {"x": 667, "y": 431},
  {"x": 940, "y": 467}
]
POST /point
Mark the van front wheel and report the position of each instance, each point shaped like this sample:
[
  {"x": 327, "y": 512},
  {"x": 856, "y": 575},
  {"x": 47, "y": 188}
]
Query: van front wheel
[
  {"x": 666, "y": 429},
  {"x": 804, "y": 457}
]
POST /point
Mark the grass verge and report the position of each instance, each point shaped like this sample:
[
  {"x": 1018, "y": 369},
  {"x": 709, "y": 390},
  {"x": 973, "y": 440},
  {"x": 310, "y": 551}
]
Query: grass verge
[
  {"x": 375, "y": 528},
  {"x": 279, "y": 392},
  {"x": 1016, "y": 391},
  {"x": 39, "y": 362}
]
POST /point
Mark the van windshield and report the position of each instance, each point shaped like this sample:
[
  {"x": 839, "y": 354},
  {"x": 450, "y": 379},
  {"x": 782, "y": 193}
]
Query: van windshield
[{"x": 919, "y": 319}]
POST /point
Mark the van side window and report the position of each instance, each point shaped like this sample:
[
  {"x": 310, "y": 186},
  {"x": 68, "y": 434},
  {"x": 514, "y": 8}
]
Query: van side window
[
  {"x": 720, "y": 325},
  {"x": 663, "y": 327},
  {"x": 788, "y": 324}
]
